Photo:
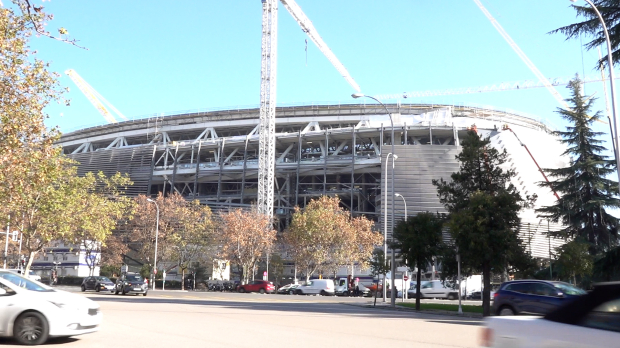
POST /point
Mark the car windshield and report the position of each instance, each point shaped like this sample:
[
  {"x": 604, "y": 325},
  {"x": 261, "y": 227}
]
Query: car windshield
[
  {"x": 568, "y": 289},
  {"x": 134, "y": 278},
  {"x": 24, "y": 282},
  {"x": 103, "y": 279}
]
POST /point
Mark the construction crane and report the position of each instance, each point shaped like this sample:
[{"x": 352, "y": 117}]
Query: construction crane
[
  {"x": 504, "y": 86},
  {"x": 94, "y": 97},
  {"x": 522, "y": 55},
  {"x": 505, "y": 127},
  {"x": 267, "y": 118}
]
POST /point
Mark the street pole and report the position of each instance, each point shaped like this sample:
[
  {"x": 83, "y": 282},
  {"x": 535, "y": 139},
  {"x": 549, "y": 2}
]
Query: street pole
[
  {"x": 6, "y": 244},
  {"x": 404, "y": 274},
  {"x": 458, "y": 262},
  {"x": 393, "y": 268},
  {"x": 156, "y": 234},
  {"x": 611, "y": 81},
  {"x": 387, "y": 160}
]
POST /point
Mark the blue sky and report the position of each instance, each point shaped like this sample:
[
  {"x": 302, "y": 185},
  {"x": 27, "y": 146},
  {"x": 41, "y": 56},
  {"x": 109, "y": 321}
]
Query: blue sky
[{"x": 149, "y": 57}]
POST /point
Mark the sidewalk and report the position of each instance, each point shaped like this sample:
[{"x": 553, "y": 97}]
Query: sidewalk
[{"x": 388, "y": 306}]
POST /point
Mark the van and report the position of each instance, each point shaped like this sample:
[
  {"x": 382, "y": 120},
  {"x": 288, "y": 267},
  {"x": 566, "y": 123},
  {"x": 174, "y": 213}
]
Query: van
[
  {"x": 323, "y": 287},
  {"x": 437, "y": 289},
  {"x": 342, "y": 288}
]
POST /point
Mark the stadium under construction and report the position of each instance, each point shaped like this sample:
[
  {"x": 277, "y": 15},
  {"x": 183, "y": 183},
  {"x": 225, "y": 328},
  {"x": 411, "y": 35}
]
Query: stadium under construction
[{"x": 328, "y": 149}]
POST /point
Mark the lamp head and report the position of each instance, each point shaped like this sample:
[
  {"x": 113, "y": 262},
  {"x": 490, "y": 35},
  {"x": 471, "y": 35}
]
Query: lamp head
[
  {"x": 357, "y": 95},
  {"x": 150, "y": 200},
  {"x": 398, "y": 195},
  {"x": 395, "y": 157}
]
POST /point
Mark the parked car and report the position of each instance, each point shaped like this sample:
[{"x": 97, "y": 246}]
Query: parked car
[
  {"x": 97, "y": 284},
  {"x": 131, "y": 283},
  {"x": 31, "y": 274},
  {"x": 591, "y": 320},
  {"x": 261, "y": 286},
  {"x": 31, "y": 312},
  {"x": 412, "y": 288},
  {"x": 536, "y": 297},
  {"x": 288, "y": 289},
  {"x": 435, "y": 289},
  {"x": 323, "y": 287}
]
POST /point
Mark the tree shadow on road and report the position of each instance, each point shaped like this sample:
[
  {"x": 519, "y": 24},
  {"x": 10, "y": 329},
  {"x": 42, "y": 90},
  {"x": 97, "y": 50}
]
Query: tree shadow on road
[{"x": 303, "y": 307}]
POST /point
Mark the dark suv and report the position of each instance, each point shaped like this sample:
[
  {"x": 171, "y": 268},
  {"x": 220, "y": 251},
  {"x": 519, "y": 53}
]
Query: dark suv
[
  {"x": 131, "y": 283},
  {"x": 537, "y": 297}
]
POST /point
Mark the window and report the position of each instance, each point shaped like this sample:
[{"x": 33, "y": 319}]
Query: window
[
  {"x": 64, "y": 257},
  {"x": 134, "y": 278},
  {"x": 604, "y": 317},
  {"x": 543, "y": 289},
  {"x": 24, "y": 283},
  {"x": 428, "y": 285},
  {"x": 46, "y": 258},
  {"x": 523, "y": 288},
  {"x": 8, "y": 291},
  {"x": 568, "y": 289}
]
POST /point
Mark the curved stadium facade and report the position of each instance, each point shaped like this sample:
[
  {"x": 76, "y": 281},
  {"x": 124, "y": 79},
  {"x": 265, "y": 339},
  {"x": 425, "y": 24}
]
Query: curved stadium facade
[{"x": 321, "y": 150}]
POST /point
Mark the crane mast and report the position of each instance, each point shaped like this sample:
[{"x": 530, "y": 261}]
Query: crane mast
[
  {"x": 94, "y": 97},
  {"x": 267, "y": 120}
]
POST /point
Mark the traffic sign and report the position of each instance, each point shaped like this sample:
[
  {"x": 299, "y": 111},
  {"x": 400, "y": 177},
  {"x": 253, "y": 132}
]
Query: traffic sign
[{"x": 406, "y": 278}]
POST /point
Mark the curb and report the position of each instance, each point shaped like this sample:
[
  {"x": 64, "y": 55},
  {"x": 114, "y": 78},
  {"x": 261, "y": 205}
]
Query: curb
[{"x": 424, "y": 311}]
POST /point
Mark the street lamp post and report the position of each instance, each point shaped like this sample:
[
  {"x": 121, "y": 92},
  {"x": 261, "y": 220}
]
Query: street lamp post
[
  {"x": 387, "y": 159},
  {"x": 393, "y": 268},
  {"x": 404, "y": 201},
  {"x": 406, "y": 272},
  {"x": 156, "y": 234},
  {"x": 615, "y": 138}
]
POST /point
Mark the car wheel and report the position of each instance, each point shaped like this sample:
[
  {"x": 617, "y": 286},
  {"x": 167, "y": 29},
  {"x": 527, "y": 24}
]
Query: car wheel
[
  {"x": 83, "y": 288},
  {"x": 98, "y": 288},
  {"x": 506, "y": 311},
  {"x": 115, "y": 291},
  {"x": 323, "y": 293},
  {"x": 262, "y": 291},
  {"x": 124, "y": 293},
  {"x": 31, "y": 328},
  {"x": 291, "y": 292},
  {"x": 241, "y": 290},
  {"x": 451, "y": 297},
  {"x": 144, "y": 294},
  {"x": 345, "y": 293}
]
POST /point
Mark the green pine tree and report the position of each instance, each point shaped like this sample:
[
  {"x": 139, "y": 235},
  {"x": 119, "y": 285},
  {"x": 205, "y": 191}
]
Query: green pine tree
[
  {"x": 585, "y": 192},
  {"x": 419, "y": 240},
  {"x": 483, "y": 218},
  {"x": 591, "y": 26}
]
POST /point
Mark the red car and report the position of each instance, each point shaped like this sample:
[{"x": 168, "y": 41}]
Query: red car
[{"x": 261, "y": 286}]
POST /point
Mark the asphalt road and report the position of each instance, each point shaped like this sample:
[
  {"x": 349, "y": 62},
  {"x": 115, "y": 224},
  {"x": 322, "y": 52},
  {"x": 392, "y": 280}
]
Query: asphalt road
[{"x": 186, "y": 319}]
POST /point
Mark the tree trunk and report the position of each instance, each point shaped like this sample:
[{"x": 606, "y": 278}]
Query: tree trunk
[
  {"x": 417, "y": 286},
  {"x": 183, "y": 279},
  {"x": 29, "y": 264},
  {"x": 486, "y": 292}
]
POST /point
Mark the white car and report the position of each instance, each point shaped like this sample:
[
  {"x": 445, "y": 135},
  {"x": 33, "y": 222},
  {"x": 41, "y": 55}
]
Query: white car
[
  {"x": 31, "y": 312},
  {"x": 592, "y": 320}
]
